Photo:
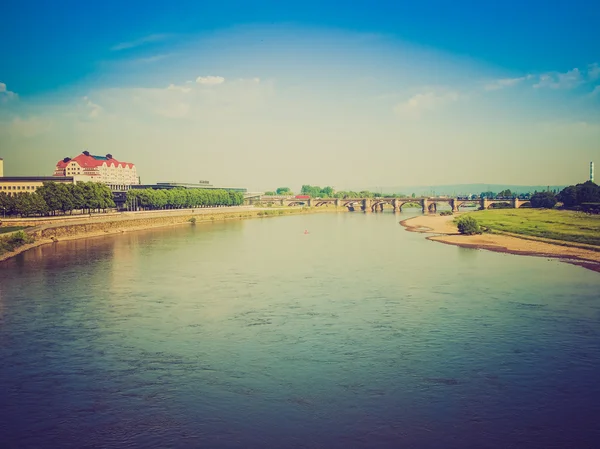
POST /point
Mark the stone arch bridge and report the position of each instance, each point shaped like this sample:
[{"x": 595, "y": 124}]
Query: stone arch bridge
[{"x": 428, "y": 204}]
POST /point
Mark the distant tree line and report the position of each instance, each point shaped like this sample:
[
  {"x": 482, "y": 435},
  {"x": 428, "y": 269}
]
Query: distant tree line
[
  {"x": 580, "y": 194},
  {"x": 53, "y": 198},
  {"x": 328, "y": 192},
  {"x": 149, "y": 199}
]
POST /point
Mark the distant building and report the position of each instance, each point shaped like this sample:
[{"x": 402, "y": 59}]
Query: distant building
[
  {"x": 183, "y": 185},
  {"x": 105, "y": 169},
  {"x": 13, "y": 185}
]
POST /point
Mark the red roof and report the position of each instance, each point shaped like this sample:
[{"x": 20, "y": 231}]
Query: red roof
[{"x": 93, "y": 162}]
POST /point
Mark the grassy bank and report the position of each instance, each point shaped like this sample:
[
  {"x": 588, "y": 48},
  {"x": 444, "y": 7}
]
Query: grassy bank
[
  {"x": 561, "y": 225},
  {"x": 7, "y": 229},
  {"x": 11, "y": 242}
]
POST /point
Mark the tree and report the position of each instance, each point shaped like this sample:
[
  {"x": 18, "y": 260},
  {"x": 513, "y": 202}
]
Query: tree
[
  {"x": 77, "y": 196},
  {"x": 65, "y": 197},
  {"x": 284, "y": 191},
  {"x": 467, "y": 225},
  {"x": 327, "y": 192},
  {"x": 413, "y": 195},
  {"x": 38, "y": 205},
  {"x": 49, "y": 191},
  {"x": 506, "y": 193},
  {"x": 7, "y": 204},
  {"x": 588, "y": 192},
  {"x": 568, "y": 196},
  {"x": 27, "y": 204},
  {"x": 545, "y": 200},
  {"x": 270, "y": 193}
]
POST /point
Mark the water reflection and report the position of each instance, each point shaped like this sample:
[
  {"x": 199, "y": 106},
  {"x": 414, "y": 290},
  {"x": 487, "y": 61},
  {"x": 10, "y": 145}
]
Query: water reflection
[{"x": 254, "y": 334}]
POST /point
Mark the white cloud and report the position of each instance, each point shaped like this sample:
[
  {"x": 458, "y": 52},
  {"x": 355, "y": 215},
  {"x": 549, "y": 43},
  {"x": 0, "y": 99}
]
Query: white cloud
[
  {"x": 179, "y": 88},
  {"x": 93, "y": 110},
  {"x": 593, "y": 71},
  {"x": 210, "y": 80},
  {"x": 6, "y": 94},
  {"x": 551, "y": 80},
  {"x": 556, "y": 80},
  {"x": 187, "y": 100},
  {"x": 506, "y": 82},
  {"x": 29, "y": 127},
  {"x": 595, "y": 92},
  {"x": 151, "y": 59},
  {"x": 139, "y": 42},
  {"x": 418, "y": 104}
]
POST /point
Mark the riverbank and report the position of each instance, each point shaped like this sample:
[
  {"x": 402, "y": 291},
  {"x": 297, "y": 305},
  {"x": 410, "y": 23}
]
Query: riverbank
[
  {"x": 586, "y": 256},
  {"x": 45, "y": 232}
]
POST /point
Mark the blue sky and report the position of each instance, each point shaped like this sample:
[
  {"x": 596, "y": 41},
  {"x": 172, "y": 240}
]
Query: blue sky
[{"x": 413, "y": 82}]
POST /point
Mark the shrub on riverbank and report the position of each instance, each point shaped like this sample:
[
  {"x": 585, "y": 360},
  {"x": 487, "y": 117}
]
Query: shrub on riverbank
[
  {"x": 11, "y": 242},
  {"x": 467, "y": 225},
  {"x": 445, "y": 213}
]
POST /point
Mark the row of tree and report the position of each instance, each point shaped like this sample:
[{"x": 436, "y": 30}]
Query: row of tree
[
  {"x": 53, "y": 198},
  {"x": 328, "y": 192},
  {"x": 572, "y": 196},
  {"x": 149, "y": 199}
]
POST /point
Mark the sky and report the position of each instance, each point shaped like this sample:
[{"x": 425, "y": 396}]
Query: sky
[{"x": 270, "y": 94}]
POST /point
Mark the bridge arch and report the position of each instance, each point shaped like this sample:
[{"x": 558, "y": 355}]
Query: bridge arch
[
  {"x": 461, "y": 203},
  {"x": 380, "y": 203}
]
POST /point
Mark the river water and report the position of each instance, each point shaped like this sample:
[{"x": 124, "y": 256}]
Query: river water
[{"x": 253, "y": 334}]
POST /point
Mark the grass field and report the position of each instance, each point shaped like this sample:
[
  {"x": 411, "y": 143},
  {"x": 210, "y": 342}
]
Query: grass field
[
  {"x": 567, "y": 226},
  {"x": 10, "y": 229}
]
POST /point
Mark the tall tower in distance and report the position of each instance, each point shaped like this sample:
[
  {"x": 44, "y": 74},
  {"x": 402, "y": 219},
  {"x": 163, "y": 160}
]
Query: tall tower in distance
[{"x": 592, "y": 171}]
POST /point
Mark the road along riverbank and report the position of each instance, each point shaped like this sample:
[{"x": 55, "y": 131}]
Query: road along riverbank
[
  {"x": 446, "y": 232},
  {"x": 45, "y": 231}
]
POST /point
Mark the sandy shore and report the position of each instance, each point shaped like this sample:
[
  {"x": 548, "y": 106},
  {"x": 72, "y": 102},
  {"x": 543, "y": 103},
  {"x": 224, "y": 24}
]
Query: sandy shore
[{"x": 447, "y": 233}]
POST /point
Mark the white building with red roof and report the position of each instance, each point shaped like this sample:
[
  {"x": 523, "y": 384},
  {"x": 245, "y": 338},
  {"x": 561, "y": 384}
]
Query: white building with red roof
[{"x": 105, "y": 169}]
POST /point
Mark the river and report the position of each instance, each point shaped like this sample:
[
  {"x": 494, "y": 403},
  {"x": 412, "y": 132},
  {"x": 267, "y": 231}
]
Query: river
[{"x": 253, "y": 334}]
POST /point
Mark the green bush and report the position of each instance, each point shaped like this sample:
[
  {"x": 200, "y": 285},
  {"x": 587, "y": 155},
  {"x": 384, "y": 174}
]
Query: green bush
[
  {"x": 192, "y": 220},
  {"x": 467, "y": 225},
  {"x": 11, "y": 242},
  {"x": 446, "y": 213},
  {"x": 543, "y": 200}
]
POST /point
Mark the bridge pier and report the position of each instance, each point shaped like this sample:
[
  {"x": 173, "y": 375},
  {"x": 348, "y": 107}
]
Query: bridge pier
[
  {"x": 425, "y": 205},
  {"x": 485, "y": 203},
  {"x": 395, "y": 205},
  {"x": 366, "y": 205},
  {"x": 454, "y": 204},
  {"x": 516, "y": 203},
  {"x": 310, "y": 202},
  {"x": 338, "y": 202}
]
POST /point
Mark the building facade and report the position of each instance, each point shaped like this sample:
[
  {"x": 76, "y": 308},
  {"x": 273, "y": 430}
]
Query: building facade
[
  {"x": 105, "y": 169},
  {"x": 13, "y": 185}
]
